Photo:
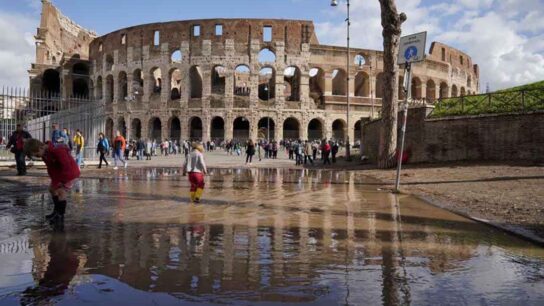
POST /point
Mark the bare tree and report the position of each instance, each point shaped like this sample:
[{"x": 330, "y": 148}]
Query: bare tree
[{"x": 391, "y": 24}]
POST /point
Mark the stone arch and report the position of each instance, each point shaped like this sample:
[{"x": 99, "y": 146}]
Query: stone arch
[
  {"x": 122, "y": 86},
  {"x": 176, "y": 56},
  {"x": 463, "y": 92},
  {"x": 339, "y": 82},
  {"x": 291, "y": 128},
  {"x": 109, "y": 62},
  {"x": 317, "y": 84},
  {"x": 109, "y": 129},
  {"x": 267, "y": 83},
  {"x": 122, "y": 126},
  {"x": 51, "y": 82},
  {"x": 195, "y": 128},
  {"x": 338, "y": 129},
  {"x": 416, "y": 88},
  {"x": 195, "y": 81},
  {"x": 80, "y": 88},
  {"x": 136, "y": 129},
  {"x": 362, "y": 84},
  {"x": 156, "y": 80},
  {"x": 315, "y": 129},
  {"x": 267, "y": 128},
  {"x": 80, "y": 69},
  {"x": 155, "y": 129},
  {"x": 443, "y": 90},
  {"x": 218, "y": 80},
  {"x": 99, "y": 88},
  {"x": 175, "y": 84},
  {"x": 175, "y": 128},
  {"x": 357, "y": 130},
  {"x": 240, "y": 128},
  {"x": 454, "y": 92},
  {"x": 109, "y": 89},
  {"x": 291, "y": 78},
  {"x": 431, "y": 90},
  {"x": 267, "y": 56},
  {"x": 380, "y": 86},
  {"x": 217, "y": 128},
  {"x": 137, "y": 82},
  {"x": 242, "y": 78}
]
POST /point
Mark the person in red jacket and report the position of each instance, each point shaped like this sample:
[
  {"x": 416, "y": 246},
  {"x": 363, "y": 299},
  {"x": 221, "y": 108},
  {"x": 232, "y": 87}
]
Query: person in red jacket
[
  {"x": 119, "y": 145},
  {"x": 61, "y": 168}
]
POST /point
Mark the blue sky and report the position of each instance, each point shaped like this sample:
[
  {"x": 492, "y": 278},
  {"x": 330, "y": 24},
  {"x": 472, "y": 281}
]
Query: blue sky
[{"x": 505, "y": 37}]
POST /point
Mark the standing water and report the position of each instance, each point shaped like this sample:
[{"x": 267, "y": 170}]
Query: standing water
[{"x": 259, "y": 237}]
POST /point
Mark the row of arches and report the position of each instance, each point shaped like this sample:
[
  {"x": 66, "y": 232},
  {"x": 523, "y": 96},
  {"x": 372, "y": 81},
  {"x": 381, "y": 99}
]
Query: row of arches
[{"x": 266, "y": 126}]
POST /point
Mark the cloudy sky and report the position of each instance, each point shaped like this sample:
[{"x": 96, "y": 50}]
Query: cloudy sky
[{"x": 505, "y": 37}]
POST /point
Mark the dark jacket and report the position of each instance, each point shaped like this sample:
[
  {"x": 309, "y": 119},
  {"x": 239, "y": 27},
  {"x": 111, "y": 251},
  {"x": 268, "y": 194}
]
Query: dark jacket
[{"x": 17, "y": 146}]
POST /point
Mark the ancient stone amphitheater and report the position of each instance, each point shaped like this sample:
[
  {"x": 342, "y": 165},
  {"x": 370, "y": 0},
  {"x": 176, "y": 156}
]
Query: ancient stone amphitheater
[{"x": 229, "y": 78}]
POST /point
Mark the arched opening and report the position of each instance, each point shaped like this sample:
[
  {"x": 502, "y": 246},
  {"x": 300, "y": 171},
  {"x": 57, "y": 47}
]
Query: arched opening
[
  {"x": 317, "y": 85},
  {"x": 98, "y": 89},
  {"x": 454, "y": 92},
  {"x": 431, "y": 90},
  {"x": 80, "y": 88},
  {"x": 240, "y": 128},
  {"x": 51, "y": 82},
  {"x": 176, "y": 56},
  {"x": 109, "y": 62},
  {"x": 136, "y": 129},
  {"x": 469, "y": 81},
  {"x": 155, "y": 129},
  {"x": 362, "y": 84},
  {"x": 175, "y": 128},
  {"x": 122, "y": 126},
  {"x": 217, "y": 129},
  {"x": 266, "y": 127},
  {"x": 122, "y": 86},
  {"x": 291, "y": 78},
  {"x": 315, "y": 129},
  {"x": 339, "y": 82},
  {"x": 291, "y": 129},
  {"x": 195, "y": 128},
  {"x": 241, "y": 81},
  {"x": 463, "y": 93},
  {"x": 175, "y": 84},
  {"x": 338, "y": 129},
  {"x": 156, "y": 84},
  {"x": 109, "y": 129},
  {"x": 218, "y": 80},
  {"x": 267, "y": 84},
  {"x": 195, "y": 80},
  {"x": 359, "y": 60},
  {"x": 416, "y": 88},
  {"x": 109, "y": 88},
  {"x": 357, "y": 131},
  {"x": 81, "y": 69},
  {"x": 380, "y": 85},
  {"x": 267, "y": 56},
  {"x": 137, "y": 82},
  {"x": 443, "y": 90}
]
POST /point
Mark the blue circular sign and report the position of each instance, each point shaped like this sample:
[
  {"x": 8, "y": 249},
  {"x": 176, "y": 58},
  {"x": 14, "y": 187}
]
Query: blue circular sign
[{"x": 410, "y": 53}]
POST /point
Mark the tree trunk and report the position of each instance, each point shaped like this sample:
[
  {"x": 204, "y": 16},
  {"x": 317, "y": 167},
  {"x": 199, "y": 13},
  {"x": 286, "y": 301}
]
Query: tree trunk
[{"x": 391, "y": 24}]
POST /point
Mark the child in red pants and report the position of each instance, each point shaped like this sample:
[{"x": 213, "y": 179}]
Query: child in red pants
[
  {"x": 61, "y": 168},
  {"x": 196, "y": 167}
]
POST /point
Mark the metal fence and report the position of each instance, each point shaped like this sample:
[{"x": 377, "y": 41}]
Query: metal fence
[
  {"x": 38, "y": 111},
  {"x": 522, "y": 100}
]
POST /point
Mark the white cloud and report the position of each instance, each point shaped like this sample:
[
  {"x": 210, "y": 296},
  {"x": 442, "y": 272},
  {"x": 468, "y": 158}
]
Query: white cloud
[
  {"x": 17, "y": 49},
  {"x": 503, "y": 37}
]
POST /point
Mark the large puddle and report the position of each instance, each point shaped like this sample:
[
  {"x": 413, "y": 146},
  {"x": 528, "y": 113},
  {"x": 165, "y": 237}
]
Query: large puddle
[{"x": 260, "y": 237}]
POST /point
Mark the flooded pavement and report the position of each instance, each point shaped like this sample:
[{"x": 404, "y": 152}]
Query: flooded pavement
[{"x": 260, "y": 237}]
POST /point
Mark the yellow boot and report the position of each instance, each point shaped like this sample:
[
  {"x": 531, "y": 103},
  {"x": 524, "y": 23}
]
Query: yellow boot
[
  {"x": 193, "y": 193},
  {"x": 198, "y": 194}
]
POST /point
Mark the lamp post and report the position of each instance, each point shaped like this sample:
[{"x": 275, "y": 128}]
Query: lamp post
[{"x": 348, "y": 149}]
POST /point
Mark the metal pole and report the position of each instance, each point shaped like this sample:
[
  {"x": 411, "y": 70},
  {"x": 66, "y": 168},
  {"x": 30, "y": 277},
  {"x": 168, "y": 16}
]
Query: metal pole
[
  {"x": 348, "y": 154},
  {"x": 268, "y": 117},
  {"x": 407, "y": 94}
]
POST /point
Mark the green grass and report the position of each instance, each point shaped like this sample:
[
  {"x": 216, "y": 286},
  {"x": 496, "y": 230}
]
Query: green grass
[{"x": 523, "y": 98}]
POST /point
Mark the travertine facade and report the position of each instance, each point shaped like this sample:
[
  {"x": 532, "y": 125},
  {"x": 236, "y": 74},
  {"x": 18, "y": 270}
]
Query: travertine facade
[{"x": 240, "y": 78}]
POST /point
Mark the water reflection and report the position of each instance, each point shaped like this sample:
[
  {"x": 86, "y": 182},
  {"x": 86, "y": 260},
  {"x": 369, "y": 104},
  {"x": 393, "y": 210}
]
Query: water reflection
[{"x": 265, "y": 236}]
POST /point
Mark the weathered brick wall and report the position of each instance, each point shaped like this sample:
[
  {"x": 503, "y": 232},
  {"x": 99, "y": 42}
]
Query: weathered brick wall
[{"x": 484, "y": 137}]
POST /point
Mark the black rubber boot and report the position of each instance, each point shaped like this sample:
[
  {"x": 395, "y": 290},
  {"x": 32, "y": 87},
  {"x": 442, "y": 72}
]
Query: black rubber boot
[
  {"x": 55, "y": 209},
  {"x": 58, "y": 217}
]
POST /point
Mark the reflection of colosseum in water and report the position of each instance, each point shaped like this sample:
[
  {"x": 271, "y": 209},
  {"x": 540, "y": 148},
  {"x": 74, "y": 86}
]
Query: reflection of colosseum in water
[{"x": 228, "y": 78}]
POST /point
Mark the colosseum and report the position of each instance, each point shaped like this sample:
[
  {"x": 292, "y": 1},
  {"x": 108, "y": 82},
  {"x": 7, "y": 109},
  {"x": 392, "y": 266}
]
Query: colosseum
[{"x": 216, "y": 79}]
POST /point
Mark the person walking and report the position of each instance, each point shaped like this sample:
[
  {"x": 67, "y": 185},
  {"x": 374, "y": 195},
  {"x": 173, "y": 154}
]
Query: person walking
[
  {"x": 308, "y": 152},
  {"x": 148, "y": 148},
  {"x": 140, "y": 147},
  {"x": 250, "y": 151},
  {"x": 334, "y": 151},
  {"x": 195, "y": 166},
  {"x": 314, "y": 150},
  {"x": 58, "y": 136},
  {"x": 16, "y": 142},
  {"x": 79, "y": 142},
  {"x": 68, "y": 139},
  {"x": 102, "y": 148},
  {"x": 325, "y": 152},
  {"x": 119, "y": 145}
]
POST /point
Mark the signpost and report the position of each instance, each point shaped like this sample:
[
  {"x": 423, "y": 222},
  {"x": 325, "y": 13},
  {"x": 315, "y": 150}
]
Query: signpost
[{"x": 411, "y": 50}]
